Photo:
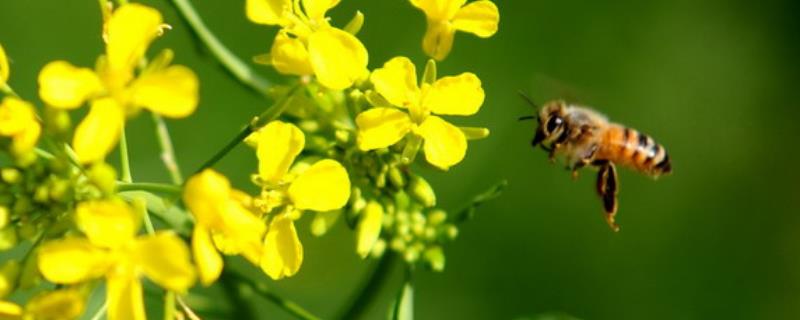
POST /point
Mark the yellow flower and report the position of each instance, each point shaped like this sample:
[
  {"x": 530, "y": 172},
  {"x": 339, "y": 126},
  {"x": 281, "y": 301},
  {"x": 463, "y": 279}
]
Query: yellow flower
[
  {"x": 113, "y": 90},
  {"x": 444, "y": 144},
  {"x": 112, "y": 250},
  {"x": 222, "y": 223},
  {"x": 445, "y": 17},
  {"x": 57, "y": 304},
  {"x": 322, "y": 186},
  {"x": 307, "y": 44},
  {"x": 18, "y": 122},
  {"x": 4, "y": 70}
]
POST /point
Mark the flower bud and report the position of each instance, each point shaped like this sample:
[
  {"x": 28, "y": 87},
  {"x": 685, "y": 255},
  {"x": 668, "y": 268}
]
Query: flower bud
[
  {"x": 396, "y": 177},
  {"x": 435, "y": 258},
  {"x": 8, "y": 238},
  {"x": 9, "y": 272},
  {"x": 104, "y": 177},
  {"x": 10, "y": 175},
  {"x": 437, "y": 217},
  {"x": 421, "y": 191},
  {"x": 4, "y": 217}
]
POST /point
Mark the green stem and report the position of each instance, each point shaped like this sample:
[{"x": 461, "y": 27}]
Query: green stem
[
  {"x": 262, "y": 290},
  {"x": 125, "y": 162},
  {"x": 371, "y": 287},
  {"x": 167, "y": 150},
  {"x": 5, "y": 88},
  {"x": 169, "y": 305},
  {"x": 100, "y": 312},
  {"x": 231, "y": 62},
  {"x": 272, "y": 113},
  {"x": 149, "y": 187}
]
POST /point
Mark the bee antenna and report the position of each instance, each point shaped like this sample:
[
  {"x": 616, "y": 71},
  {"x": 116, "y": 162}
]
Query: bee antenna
[
  {"x": 528, "y": 99},
  {"x": 523, "y": 118}
]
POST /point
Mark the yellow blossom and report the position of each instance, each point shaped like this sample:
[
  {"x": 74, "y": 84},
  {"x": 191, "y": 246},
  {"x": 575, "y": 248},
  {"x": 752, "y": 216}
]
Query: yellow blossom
[
  {"x": 113, "y": 89},
  {"x": 112, "y": 250},
  {"x": 18, "y": 122},
  {"x": 307, "y": 44},
  {"x": 445, "y": 17},
  {"x": 444, "y": 144},
  {"x": 4, "y": 70},
  {"x": 321, "y": 186},
  {"x": 222, "y": 223}
]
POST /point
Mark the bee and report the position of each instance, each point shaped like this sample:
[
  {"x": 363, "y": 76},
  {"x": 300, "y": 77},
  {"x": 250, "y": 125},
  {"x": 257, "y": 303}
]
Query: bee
[{"x": 586, "y": 138}]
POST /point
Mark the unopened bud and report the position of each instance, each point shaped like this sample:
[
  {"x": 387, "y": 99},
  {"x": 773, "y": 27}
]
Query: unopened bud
[
  {"x": 9, "y": 272},
  {"x": 104, "y": 177},
  {"x": 421, "y": 191},
  {"x": 435, "y": 258},
  {"x": 8, "y": 238}
]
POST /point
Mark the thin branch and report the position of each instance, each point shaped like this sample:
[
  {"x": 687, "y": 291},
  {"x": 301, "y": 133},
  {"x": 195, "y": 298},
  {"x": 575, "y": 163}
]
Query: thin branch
[
  {"x": 371, "y": 287},
  {"x": 167, "y": 150},
  {"x": 272, "y": 113},
  {"x": 262, "y": 290},
  {"x": 231, "y": 62},
  {"x": 149, "y": 187},
  {"x": 125, "y": 162}
]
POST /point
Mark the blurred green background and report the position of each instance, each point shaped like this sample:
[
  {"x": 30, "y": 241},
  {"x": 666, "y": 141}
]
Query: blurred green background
[{"x": 715, "y": 81}]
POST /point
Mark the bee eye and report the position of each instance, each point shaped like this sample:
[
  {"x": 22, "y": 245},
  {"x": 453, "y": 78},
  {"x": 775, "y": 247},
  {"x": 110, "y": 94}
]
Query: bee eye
[{"x": 554, "y": 123}]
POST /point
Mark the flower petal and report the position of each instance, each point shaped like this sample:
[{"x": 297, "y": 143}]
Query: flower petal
[
  {"x": 205, "y": 194},
  {"x": 57, "y": 304},
  {"x": 316, "y": 9},
  {"x": 164, "y": 258},
  {"x": 445, "y": 144},
  {"x": 26, "y": 140},
  {"x": 322, "y": 187},
  {"x": 397, "y": 82},
  {"x": 99, "y": 131},
  {"x": 279, "y": 143},
  {"x": 381, "y": 127},
  {"x": 171, "y": 92},
  {"x": 283, "y": 252},
  {"x": 369, "y": 228},
  {"x": 439, "y": 9},
  {"x": 15, "y": 116},
  {"x": 438, "y": 40},
  {"x": 107, "y": 223},
  {"x": 64, "y": 86},
  {"x": 4, "y": 69},
  {"x": 269, "y": 12},
  {"x": 130, "y": 29},
  {"x": 71, "y": 260},
  {"x": 479, "y": 18},
  {"x": 208, "y": 260},
  {"x": 243, "y": 231},
  {"x": 459, "y": 95},
  {"x": 290, "y": 56},
  {"x": 10, "y": 310},
  {"x": 124, "y": 297},
  {"x": 338, "y": 58}
]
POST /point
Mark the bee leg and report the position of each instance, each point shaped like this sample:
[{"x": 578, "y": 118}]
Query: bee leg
[
  {"x": 586, "y": 159},
  {"x": 608, "y": 188},
  {"x": 552, "y": 155}
]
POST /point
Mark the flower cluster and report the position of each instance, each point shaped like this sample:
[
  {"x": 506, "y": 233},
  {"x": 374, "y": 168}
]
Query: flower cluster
[{"x": 339, "y": 143}]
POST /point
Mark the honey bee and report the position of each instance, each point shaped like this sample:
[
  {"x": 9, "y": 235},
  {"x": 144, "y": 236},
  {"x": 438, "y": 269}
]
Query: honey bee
[{"x": 586, "y": 138}]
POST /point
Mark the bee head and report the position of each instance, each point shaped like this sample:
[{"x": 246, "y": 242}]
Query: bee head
[{"x": 551, "y": 122}]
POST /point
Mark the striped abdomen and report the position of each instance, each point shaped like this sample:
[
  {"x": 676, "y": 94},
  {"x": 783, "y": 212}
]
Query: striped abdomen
[{"x": 626, "y": 146}]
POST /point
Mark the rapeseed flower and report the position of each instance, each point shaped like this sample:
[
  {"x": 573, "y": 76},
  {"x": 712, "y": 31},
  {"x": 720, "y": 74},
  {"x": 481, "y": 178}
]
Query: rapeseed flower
[
  {"x": 321, "y": 186},
  {"x": 307, "y": 44},
  {"x": 413, "y": 111},
  {"x": 112, "y": 250},
  {"x": 445, "y": 17},
  {"x": 18, "y": 122},
  {"x": 223, "y": 222},
  {"x": 113, "y": 89}
]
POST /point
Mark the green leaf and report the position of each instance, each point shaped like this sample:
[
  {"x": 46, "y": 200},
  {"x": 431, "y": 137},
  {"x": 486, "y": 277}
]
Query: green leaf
[{"x": 403, "y": 307}]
